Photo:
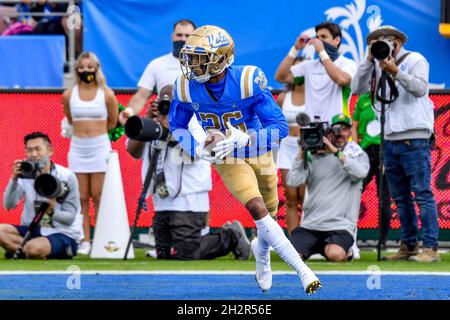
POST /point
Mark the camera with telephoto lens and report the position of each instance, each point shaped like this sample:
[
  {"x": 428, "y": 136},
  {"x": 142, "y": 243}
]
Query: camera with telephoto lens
[
  {"x": 145, "y": 129},
  {"x": 49, "y": 186},
  {"x": 28, "y": 169},
  {"x": 164, "y": 104},
  {"x": 382, "y": 49}
]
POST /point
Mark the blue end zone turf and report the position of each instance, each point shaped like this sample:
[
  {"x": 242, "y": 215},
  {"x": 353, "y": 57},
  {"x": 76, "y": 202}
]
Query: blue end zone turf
[{"x": 226, "y": 287}]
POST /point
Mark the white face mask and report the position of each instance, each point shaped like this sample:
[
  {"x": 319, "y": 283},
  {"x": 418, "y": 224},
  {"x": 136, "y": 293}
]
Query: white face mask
[{"x": 41, "y": 164}]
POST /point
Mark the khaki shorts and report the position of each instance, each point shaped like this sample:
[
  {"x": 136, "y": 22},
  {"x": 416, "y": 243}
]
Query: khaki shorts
[{"x": 251, "y": 178}]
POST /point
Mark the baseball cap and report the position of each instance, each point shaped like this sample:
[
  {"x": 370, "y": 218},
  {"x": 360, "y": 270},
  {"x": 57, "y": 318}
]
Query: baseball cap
[{"x": 341, "y": 118}]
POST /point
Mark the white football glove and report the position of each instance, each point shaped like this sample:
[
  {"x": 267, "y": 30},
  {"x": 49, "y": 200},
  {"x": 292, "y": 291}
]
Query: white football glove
[
  {"x": 237, "y": 139},
  {"x": 204, "y": 154}
]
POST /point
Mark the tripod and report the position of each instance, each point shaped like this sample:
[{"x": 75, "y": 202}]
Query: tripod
[
  {"x": 381, "y": 96},
  {"x": 141, "y": 201}
]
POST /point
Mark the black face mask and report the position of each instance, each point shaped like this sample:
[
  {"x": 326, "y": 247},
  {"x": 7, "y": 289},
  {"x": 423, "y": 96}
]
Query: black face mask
[
  {"x": 87, "y": 76},
  {"x": 177, "y": 45},
  {"x": 333, "y": 52}
]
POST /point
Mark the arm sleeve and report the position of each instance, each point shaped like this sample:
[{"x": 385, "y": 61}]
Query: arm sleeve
[
  {"x": 357, "y": 167},
  {"x": 297, "y": 175},
  {"x": 196, "y": 130},
  {"x": 179, "y": 118},
  {"x": 66, "y": 214},
  {"x": 416, "y": 81},
  {"x": 13, "y": 194},
  {"x": 361, "y": 81}
]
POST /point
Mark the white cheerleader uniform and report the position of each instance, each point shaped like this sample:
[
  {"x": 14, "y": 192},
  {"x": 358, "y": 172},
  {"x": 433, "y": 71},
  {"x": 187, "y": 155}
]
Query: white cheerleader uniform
[{"x": 89, "y": 155}]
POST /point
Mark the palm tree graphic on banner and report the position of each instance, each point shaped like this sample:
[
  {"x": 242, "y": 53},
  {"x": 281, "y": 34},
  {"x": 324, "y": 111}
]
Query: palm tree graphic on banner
[{"x": 349, "y": 19}]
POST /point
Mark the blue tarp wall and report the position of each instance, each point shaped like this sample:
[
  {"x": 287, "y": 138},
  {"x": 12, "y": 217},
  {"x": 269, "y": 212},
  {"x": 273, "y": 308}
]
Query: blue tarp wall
[
  {"x": 127, "y": 34},
  {"x": 32, "y": 61}
]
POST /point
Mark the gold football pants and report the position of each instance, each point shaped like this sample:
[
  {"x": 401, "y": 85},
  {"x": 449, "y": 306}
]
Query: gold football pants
[{"x": 250, "y": 178}]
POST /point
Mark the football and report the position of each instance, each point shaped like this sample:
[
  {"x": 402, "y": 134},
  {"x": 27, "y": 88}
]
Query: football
[{"x": 211, "y": 140}]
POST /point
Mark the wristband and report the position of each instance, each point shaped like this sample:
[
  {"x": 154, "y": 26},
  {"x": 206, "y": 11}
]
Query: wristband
[
  {"x": 323, "y": 55},
  {"x": 293, "y": 53}
]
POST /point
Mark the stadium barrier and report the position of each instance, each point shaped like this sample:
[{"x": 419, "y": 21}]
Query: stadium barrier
[{"x": 25, "y": 111}]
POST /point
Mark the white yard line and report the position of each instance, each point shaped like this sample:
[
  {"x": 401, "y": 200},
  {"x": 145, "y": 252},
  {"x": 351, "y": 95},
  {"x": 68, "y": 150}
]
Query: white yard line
[{"x": 205, "y": 272}]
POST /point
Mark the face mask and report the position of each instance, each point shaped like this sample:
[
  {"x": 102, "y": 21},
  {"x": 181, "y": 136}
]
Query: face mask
[
  {"x": 87, "y": 76},
  {"x": 332, "y": 51},
  {"x": 41, "y": 164},
  {"x": 177, "y": 45}
]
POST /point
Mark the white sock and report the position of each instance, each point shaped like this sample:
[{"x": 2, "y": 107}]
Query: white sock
[
  {"x": 263, "y": 250},
  {"x": 272, "y": 235},
  {"x": 263, "y": 247}
]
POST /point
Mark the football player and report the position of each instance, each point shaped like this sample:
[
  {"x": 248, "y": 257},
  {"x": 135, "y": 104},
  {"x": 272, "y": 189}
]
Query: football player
[{"x": 235, "y": 100}]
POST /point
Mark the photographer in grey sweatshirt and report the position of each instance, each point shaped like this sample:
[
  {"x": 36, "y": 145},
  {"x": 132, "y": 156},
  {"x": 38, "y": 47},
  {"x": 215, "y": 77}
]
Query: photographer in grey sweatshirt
[
  {"x": 60, "y": 230},
  {"x": 334, "y": 177}
]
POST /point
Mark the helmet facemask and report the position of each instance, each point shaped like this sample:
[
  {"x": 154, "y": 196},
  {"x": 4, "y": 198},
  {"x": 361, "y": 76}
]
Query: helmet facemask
[
  {"x": 202, "y": 66},
  {"x": 195, "y": 66}
]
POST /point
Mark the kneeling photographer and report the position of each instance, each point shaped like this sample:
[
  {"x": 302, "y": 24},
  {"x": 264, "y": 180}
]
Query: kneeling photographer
[
  {"x": 180, "y": 187},
  {"x": 333, "y": 170},
  {"x": 51, "y": 223}
]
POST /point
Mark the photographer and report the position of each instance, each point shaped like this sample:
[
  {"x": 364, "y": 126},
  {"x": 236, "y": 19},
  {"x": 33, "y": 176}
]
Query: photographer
[
  {"x": 334, "y": 174},
  {"x": 327, "y": 79},
  {"x": 408, "y": 129},
  {"x": 60, "y": 230},
  {"x": 180, "y": 190}
]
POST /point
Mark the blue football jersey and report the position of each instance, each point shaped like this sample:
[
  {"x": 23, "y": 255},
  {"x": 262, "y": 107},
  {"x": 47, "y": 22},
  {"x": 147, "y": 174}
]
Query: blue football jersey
[{"x": 245, "y": 102}]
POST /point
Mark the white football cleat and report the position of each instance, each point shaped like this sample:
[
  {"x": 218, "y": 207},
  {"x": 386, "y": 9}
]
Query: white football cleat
[
  {"x": 263, "y": 269},
  {"x": 309, "y": 280}
]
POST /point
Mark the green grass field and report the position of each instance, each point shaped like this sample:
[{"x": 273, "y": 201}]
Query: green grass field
[{"x": 142, "y": 263}]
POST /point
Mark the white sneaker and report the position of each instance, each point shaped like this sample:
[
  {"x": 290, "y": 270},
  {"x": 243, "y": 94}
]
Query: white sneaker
[
  {"x": 151, "y": 237},
  {"x": 263, "y": 269},
  {"x": 151, "y": 253},
  {"x": 354, "y": 252},
  {"x": 84, "y": 248},
  {"x": 309, "y": 280}
]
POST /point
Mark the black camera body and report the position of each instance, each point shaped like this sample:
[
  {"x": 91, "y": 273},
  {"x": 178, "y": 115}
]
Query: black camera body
[
  {"x": 382, "y": 49},
  {"x": 312, "y": 136},
  {"x": 49, "y": 186},
  {"x": 28, "y": 169},
  {"x": 312, "y": 133},
  {"x": 146, "y": 129}
]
